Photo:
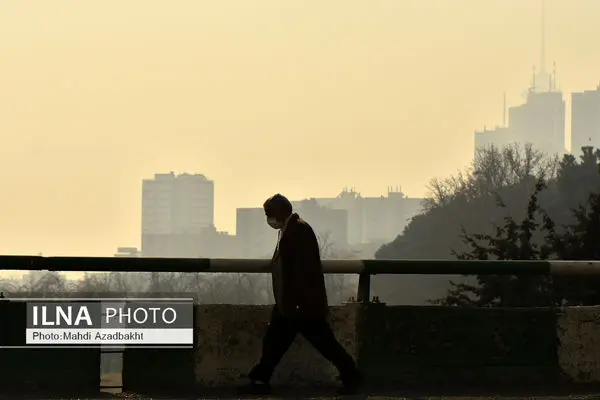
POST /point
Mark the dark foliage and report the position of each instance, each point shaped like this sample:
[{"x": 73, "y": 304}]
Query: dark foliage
[
  {"x": 469, "y": 200},
  {"x": 513, "y": 240}
]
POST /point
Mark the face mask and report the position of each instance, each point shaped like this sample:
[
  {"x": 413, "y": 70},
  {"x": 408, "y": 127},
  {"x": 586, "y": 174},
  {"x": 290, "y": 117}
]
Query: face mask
[{"x": 273, "y": 223}]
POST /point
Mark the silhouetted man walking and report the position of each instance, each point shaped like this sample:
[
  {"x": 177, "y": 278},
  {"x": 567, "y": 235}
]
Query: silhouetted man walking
[{"x": 300, "y": 301}]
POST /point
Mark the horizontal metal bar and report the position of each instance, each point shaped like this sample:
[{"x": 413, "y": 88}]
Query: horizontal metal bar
[
  {"x": 147, "y": 264},
  {"x": 457, "y": 267},
  {"x": 483, "y": 267},
  {"x": 104, "y": 264},
  {"x": 373, "y": 267}
]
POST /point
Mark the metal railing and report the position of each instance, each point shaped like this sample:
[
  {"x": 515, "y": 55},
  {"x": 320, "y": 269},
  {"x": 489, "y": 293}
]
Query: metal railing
[{"x": 364, "y": 268}]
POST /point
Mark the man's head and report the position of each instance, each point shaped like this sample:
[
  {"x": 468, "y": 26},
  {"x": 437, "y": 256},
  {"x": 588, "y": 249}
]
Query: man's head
[{"x": 277, "y": 209}]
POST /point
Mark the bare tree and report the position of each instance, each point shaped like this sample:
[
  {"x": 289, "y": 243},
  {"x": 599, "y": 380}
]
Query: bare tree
[
  {"x": 43, "y": 282},
  {"x": 340, "y": 287},
  {"x": 491, "y": 170}
]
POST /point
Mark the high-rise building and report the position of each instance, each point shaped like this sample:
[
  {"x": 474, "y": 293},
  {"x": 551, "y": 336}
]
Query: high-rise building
[
  {"x": 177, "y": 203},
  {"x": 585, "y": 120},
  {"x": 540, "y": 122},
  {"x": 498, "y": 138},
  {"x": 174, "y": 205}
]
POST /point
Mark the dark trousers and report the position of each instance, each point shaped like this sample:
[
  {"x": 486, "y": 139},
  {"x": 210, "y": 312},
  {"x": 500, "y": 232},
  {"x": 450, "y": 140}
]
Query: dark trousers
[{"x": 280, "y": 335}]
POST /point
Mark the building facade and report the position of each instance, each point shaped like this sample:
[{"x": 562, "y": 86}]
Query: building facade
[
  {"x": 385, "y": 217},
  {"x": 374, "y": 219},
  {"x": 540, "y": 122},
  {"x": 257, "y": 239},
  {"x": 329, "y": 224},
  {"x": 209, "y": 243},
  {"x": 585, "y": 120},
  {"x": 173, "y": 206},
  {"x": 498, "y": 138}
]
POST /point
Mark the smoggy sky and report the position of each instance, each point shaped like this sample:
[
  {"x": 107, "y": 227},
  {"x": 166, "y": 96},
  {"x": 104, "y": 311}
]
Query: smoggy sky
[{"x": 298, "y": 97}]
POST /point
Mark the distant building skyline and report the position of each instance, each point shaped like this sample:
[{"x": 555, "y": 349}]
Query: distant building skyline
[
  {"x": 540, "y": 120},
  {"x": 177, "y": 221},
  {"x": 394, "y": 95},
  {"x": 374, "y": 218}
]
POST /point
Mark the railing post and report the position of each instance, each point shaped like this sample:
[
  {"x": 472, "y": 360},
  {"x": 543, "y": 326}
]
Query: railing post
[{"x": 364, "y": 287}]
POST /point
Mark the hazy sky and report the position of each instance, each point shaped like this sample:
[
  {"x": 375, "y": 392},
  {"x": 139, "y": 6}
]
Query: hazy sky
[{"x": 298, "y": 97}]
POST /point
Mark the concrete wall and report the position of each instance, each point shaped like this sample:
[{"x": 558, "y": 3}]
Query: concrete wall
[
  {"x": 404, "y": 346},
  {"x": 394, "y": 345},
  {"x": 413, "y": 346},
  {"x": 47, "y": 371},
  {"x": 451, "y": 346},
  {"x": 230, "y": 342},
  {"x": 578, "y": 331}
]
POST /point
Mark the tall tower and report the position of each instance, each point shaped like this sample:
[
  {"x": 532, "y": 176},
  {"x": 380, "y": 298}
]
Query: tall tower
[
  {"x": 543, "y": 80},
  {"x": 541, "y": 120},
  {"x": 177, "y": 203},
  {"x": 174, "y": 205},
  {"x": 585, "y": 120},
  {"x": 543, "y": 39}
]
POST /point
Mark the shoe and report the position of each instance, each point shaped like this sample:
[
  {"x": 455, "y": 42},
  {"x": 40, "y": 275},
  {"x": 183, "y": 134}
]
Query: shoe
[
  {"x": 351, "y": 386},
  {"x": 255, "y": 388}
]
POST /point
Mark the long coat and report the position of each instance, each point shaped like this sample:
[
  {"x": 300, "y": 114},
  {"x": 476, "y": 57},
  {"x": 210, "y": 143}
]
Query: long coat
[{"x": 303, "y": 290}]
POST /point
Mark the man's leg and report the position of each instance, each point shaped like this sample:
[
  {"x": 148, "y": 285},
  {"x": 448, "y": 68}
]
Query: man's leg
[
  {"x": 277, "y": 340},
  {"x": 319, "y": 334}
]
